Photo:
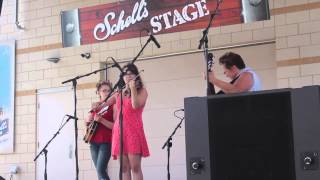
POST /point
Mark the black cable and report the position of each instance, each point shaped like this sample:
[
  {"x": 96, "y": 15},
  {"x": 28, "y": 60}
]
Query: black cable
[{"x": 175, "y": 115}]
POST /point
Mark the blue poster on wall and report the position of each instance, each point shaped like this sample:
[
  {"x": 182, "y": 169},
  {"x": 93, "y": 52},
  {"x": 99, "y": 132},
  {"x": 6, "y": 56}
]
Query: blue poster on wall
[{"x": 7, "y": 89}]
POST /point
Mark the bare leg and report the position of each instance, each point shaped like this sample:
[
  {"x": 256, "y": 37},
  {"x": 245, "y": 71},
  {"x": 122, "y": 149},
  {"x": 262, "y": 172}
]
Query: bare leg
[
  {"x": 135, "y": 164},
  {"x": 126, "y": 172}
]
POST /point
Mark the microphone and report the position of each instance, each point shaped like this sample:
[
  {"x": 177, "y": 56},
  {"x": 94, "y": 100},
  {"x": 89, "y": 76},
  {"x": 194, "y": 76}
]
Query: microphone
[
  {"x": 116, "y": 64},
  {"x": 154, "y": 40},
  {"x": 71, "y": 117}
]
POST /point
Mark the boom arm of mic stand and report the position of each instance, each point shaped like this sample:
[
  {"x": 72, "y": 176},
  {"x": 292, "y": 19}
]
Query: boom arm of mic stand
[
  {"x": 134, "y": 59},
  {"x": 43, "y": 149},
  {"x": 79, "y": 77},
  {"x": 168, "y": 144},
  {"x": 170, "y": 137},
  {"x": 206, "y": 31}
]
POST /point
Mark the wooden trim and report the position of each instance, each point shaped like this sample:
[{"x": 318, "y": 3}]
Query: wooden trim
[
  {"x": 34, "y": 91},
  {"x": 86, "y": 86},
  {"x": 26, "y": 93},
  {"x": 39, "y": 48},
  {"x": 295, "y": 8},
  {"x": 291, "y": 62},
  {"x": 294, "y": 62}
]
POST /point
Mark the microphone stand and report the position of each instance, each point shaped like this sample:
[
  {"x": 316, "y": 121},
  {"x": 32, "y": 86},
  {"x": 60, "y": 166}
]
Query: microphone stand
[
  {"x": 168, "y": 144},
  {"x": 204, "y": 40},
  {"x": 120, "y": 85},
  {"x": 45, "y": 151},
  {"x": 145, "y": 45},
  {"x": 74, "y": 85}
]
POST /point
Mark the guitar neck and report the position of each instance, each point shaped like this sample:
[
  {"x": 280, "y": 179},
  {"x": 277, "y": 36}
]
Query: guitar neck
[{"x": 210, "y": 89}]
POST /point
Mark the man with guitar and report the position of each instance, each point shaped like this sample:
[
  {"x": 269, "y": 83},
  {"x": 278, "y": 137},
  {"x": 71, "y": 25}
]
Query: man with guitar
[
  {"x": 99, "y": 131},
  {"x": 243, "y": 78}
]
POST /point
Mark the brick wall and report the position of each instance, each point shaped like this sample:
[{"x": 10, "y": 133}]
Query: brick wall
[{"x": 297, "y": 44}]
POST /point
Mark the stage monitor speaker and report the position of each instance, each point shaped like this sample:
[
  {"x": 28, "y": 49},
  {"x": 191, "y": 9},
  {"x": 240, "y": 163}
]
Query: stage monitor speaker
[{"x": 266, "y": 135}]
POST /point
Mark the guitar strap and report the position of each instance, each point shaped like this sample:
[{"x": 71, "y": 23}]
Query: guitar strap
[{"x": 231, "y": 82}]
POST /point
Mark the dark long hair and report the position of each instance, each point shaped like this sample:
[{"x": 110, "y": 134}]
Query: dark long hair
[{"x": 134, "y": 70}]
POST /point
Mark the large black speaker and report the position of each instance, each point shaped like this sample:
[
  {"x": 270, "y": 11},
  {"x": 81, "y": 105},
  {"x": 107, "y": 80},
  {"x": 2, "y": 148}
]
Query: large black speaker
[{"x": 266, "y": 135}]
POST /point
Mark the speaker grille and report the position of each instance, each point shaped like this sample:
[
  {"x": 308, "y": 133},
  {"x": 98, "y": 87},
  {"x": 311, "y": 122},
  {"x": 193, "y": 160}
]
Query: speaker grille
[{"x": 252, "y": 137}]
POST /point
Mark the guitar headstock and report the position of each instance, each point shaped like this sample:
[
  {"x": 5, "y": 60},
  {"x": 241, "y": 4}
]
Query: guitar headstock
[
  {"x": 210, "y": 61},
  {"x": 210, "y": 88},
  {"x": 103, "y": 110}
]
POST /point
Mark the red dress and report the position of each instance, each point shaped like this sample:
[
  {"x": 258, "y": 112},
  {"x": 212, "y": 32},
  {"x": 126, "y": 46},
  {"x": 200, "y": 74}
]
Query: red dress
[{"x": 134, "y": 140}]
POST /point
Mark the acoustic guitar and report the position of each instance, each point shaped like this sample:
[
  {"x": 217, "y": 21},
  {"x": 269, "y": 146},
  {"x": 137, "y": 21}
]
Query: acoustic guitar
[{"x": 93, "y": 125}]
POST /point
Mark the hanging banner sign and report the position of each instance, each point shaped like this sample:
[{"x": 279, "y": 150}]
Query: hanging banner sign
[
  {"x": 7, "y": 79},
  {"x": 130, "y": 19}
]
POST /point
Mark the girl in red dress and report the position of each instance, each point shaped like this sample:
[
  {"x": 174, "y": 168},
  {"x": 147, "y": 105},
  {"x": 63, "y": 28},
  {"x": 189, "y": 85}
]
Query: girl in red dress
[{"x": 134, "y": 142}]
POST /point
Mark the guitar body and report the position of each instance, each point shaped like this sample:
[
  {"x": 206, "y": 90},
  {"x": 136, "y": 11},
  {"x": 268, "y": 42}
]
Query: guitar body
[
  {"x": 90, "y": 131},
  {"x": 93, "y": 126}
]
